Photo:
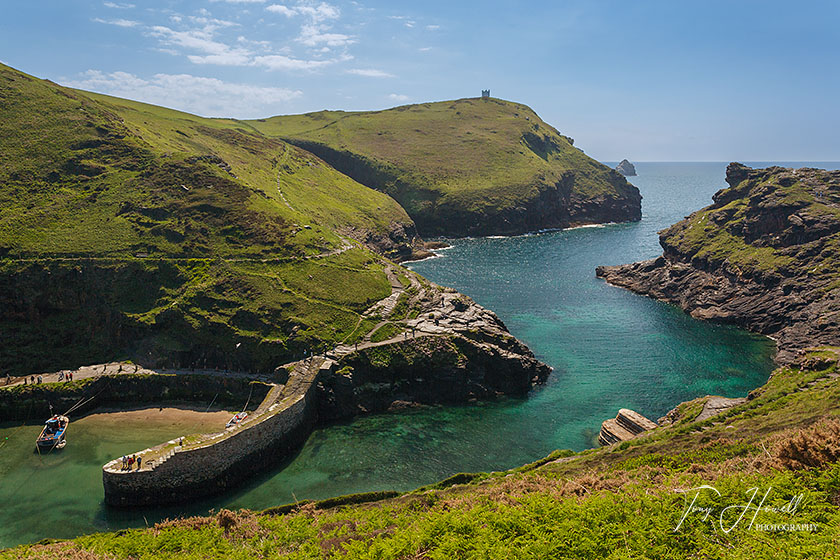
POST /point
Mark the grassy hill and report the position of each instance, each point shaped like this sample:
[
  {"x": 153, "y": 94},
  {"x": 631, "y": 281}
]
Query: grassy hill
[
  {"x": 86, "y": 174},
  {"x": 466, "y": 167},
  {"x": 128, "y": 230},
  {"x": 624, "y": 501}
]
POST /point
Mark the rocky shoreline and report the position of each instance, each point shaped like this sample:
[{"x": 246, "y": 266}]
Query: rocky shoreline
[{"x": 763, "y": 257}]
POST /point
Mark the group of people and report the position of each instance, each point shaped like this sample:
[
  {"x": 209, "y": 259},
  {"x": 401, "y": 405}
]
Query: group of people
[
  {"x": 129, "y": 461},
  {"x": 32, "y": 380}
]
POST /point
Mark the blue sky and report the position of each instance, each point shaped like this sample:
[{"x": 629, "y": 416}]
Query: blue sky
[{"x": 647, "y": 80}]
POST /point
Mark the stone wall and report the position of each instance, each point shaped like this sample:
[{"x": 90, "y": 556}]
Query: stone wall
[
  {"x": 31, "y": 403},
  {"x": 225, "y": 459}
]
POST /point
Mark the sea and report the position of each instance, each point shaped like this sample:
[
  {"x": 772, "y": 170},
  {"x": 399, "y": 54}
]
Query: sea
[{"x": 609, "y": 348}]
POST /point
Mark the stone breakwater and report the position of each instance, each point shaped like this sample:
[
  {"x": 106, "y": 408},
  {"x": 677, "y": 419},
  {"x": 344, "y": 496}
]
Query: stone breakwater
[
  {"x": 176, "y": 471},
  {"x": 452, "y": 350}
]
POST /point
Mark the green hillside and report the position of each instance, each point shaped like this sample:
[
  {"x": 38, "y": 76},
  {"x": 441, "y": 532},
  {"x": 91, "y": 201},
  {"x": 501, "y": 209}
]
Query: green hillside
[
  {"x": 466, "y": 167},
  {"x": 624, "y": 501},
  {"x": 86, "y": 174},
  {"x": 128, "y": 230}
]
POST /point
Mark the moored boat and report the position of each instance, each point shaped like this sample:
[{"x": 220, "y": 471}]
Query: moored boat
[{"x": 53, "y": 434}]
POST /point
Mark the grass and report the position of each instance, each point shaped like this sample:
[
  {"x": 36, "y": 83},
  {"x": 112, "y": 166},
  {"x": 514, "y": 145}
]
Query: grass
[
  {"x": 92, "y": 175},
  {"x": 386, "y": 332},
  {"x": 471, "y": 159},
  {"x": 623, "y": 501},
  {"x": 749, "y": 227},
  {"x": 129, "y": 231}
]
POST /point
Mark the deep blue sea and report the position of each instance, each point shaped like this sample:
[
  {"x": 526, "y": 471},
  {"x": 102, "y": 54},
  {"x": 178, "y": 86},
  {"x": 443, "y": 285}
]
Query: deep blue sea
[{"x": 609, "y": 349}]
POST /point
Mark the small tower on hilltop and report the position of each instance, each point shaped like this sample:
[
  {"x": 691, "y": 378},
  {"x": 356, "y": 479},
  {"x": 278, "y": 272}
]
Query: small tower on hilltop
[{"x": 485, "y": 94}]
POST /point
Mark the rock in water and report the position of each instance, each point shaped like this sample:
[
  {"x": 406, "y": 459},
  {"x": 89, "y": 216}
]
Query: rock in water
[
  {"x": 626, "y": 168},
  {"x": 625, "y": 426}
]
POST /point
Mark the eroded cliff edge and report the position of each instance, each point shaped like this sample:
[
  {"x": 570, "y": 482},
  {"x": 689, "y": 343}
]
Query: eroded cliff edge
[{"x": 764, "y": 256}]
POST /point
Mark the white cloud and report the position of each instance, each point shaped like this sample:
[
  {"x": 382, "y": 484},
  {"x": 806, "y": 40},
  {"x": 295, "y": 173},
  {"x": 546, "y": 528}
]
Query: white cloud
[
  {"x": 206, "y": 40},
  {"x": 241, "y": 1},
  {"x": 370, "y": 73},
  {"x": 425, "y": 49},
  {"x": 314, "y": 32},
  {"x": 433, "y": 27},
  {"x": 316, "y": 13},
  {"x": 201, "y": 40},
  {"x": 282, "y": 62},
  {"x": 203, "y": 96},
  {"x": 284, "y": 10},
  {"x": 398, "y": 97},
  {"x": 211, "y": 24},
  {"x": 315, "y": 35},
  {"x": 118, "y": 6},
  {"x": 222, "y": 59},
  {"x": 118, "y": 22}
]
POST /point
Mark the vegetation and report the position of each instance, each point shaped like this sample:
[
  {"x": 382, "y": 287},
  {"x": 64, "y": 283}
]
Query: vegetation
[
  {"x": 129, "y": 231},
  {"x": 134, "y": 231},
  {"x": 386, "y": 332},
  {"x": 768, "y": 222},
  {"x": 457, "y": 167},
  {"x": 623, "y": 501}
]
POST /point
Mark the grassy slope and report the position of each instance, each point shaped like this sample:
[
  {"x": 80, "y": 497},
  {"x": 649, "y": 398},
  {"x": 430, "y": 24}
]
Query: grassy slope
[
  {"x": 289, "y": 177},
  {"x": 89, "y": 174},
  {"x": 623, "y": 501},
  {"x": 481, "y": 156},
  {"x": 186, "y": 239}
]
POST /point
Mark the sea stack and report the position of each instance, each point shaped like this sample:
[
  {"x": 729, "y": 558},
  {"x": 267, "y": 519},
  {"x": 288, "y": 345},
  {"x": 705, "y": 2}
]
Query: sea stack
[{"x": 626, "y": 168}]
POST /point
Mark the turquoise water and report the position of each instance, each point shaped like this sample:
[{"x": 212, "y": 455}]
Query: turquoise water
[{"x": 610, "y": 349}]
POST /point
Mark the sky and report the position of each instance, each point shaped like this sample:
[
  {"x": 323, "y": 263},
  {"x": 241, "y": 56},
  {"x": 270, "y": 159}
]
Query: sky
[{"x": 645, "y": 80}]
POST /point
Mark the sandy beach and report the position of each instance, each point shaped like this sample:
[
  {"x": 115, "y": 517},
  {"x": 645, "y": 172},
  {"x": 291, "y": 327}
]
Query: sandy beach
[{"x": 182, "y": 418}]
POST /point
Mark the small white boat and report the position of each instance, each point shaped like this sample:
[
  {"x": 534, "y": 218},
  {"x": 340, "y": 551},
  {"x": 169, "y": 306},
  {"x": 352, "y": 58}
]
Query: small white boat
[
  {"x": 237, "y": 418},
  {"x": 53, "y": 434}
]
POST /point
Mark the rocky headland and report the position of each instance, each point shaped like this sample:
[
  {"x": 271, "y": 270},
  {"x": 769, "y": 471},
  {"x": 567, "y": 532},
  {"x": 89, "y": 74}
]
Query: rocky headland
[
  {"x": 764, "y": 256},
  {"x": 467, "y": 167}
]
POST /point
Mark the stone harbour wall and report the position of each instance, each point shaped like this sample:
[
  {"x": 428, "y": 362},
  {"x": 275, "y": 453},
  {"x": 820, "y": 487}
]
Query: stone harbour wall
[{"x": 223, "y": 460}]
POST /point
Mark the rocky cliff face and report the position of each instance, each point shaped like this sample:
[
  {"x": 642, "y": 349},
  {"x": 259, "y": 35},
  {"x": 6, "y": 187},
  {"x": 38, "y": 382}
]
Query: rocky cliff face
[
  {"x": 547, "y": 204},
  {"x": 454, "y": 351},
  {"x": 466, "y": 167},
  {"x": 764, "y": 256}
]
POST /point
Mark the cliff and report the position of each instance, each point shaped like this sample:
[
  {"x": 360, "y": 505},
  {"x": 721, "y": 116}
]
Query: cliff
[
  {"x": 135, "y": 232},
  {"x": 765, "y": 256},
  {"x": 466, "y": 167}
]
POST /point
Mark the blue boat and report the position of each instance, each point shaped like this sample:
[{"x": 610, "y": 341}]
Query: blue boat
[{"x": 52, "y": 436}]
